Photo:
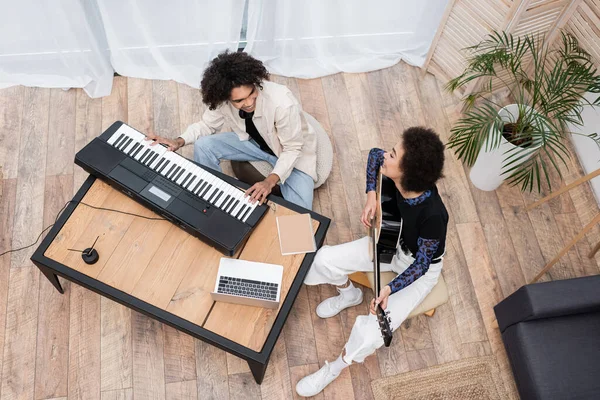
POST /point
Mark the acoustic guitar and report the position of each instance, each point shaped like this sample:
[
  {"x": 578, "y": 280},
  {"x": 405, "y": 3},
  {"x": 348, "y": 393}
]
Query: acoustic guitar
[{"x": 384, "y": 233}]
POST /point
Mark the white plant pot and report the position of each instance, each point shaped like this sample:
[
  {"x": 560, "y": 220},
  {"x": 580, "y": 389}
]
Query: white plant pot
[{"x": 486, "y": 173}]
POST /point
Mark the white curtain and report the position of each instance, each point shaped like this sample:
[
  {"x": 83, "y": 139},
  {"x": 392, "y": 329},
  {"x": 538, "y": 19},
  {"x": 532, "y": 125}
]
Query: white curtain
[
  {"x": 312, "y": 38},
  {"x": 54, "y": 44},
  {"x": 158, "y": 39}
]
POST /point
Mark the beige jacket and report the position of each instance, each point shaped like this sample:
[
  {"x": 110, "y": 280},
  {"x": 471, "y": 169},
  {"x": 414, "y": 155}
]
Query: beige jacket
[{"x": 281, "y": 122}]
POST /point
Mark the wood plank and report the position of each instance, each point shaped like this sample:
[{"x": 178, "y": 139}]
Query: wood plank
[
  {"x": 236, "y": 365},
  {"x": 114, "y": 106},
  {"x": 347, "y": 150},
  {"x": 191, "y": 299},
  {"x": 521, "y": 231},
  {"x": 488, "y": 293},
  {"x": 416, "y": 335},
  {"x": 148, "y": 358},
  {"x": 180, "y": 356},
  {"x": 363, "y": 113},
  {"x": 182, "y": 390},
  {"x": 140, "y": 104},
  {"x": 88, "y": 125},
  {"x": 33, "y": 145},
  {"x": 332, "y": 198},
  {"x": 8, "y": 189},
  {"x": 167, "y": 269},
  {"x": 52, "y": 358},
  {"x": 298, "y": 332},
  {"x": 116, "y": 347},
  {"x": 18, "y": 369},
  {"x": 276, "y": 384},
  {"x": 444, "y": 334},
  {"x": 456, "y": 192},
  {"x": 548, "y": 237},
  {"x": 389, "y": 117},
  {"x": 243, "y": 386},
  {"x": 84, "y": 345},
  {"x": 467, "y": 317},
  {"x": 422, "y": 358},
  {"x": 252, "y": 329},
  {"x": 11, "y": 104},
  {"x": 569, "y": 226},
  {"x": 211, "y": 365},
  {"x": 132, "y": 257},
  {"x": 191, "y": 109},
  {"x": 119, "y": 394},
  {"x": 500, "y": 246},
  {"x": 61, "y": 132},
  {"x": 109, "y": 227}
]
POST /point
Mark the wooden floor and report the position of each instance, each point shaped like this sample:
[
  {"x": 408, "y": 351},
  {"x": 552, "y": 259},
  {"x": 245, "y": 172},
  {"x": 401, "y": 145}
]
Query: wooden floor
[{"x": 81, "y": 346}]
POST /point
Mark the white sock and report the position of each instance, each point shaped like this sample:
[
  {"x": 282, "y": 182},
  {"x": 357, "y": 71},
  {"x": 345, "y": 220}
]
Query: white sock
[
  {"x": 348, "y": 288},
  {"x": 337, "y": 366}
]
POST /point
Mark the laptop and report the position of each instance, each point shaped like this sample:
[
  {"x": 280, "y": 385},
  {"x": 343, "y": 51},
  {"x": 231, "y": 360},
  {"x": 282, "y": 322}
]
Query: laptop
[{"x": 248, "y": 283}]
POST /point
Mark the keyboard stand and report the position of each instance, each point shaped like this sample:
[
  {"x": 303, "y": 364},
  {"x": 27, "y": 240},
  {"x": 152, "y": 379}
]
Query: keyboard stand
[{"x": 159, "y": 270}]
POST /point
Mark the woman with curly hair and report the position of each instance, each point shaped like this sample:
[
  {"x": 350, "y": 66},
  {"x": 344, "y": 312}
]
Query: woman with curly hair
[
  {"x": 415, "y": 164},
  {"x": 267, "y": 122}
]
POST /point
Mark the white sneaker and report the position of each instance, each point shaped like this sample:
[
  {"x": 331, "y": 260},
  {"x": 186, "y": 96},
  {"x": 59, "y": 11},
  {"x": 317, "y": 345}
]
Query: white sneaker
[
  {"x": 333, "y": 305},
  {"x": 313, "y": 384}
]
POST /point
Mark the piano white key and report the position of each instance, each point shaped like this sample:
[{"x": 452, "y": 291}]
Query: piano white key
[
  {"x": 140, "y": 153},
  {"x": 237, "y": 208}
]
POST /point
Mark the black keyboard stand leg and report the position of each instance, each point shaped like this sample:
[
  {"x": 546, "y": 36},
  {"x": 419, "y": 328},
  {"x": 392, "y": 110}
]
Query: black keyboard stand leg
[
  {"x": 52, "y": 277},
  {"x": 258, "y": 370}
]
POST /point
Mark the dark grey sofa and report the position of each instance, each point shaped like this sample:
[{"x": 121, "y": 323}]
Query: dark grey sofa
[{"x": 551, "y": 332}]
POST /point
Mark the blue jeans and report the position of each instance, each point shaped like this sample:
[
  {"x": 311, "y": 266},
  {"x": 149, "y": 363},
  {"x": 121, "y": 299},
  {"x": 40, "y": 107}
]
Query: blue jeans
[{"x": 210, "y": 150}]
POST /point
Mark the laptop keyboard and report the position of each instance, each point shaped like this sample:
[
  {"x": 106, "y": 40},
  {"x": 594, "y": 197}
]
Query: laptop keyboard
[{"x": 248, "y": 288}]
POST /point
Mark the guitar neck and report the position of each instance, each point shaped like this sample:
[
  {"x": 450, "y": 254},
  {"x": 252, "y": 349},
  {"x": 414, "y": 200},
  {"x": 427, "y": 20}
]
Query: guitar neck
[{"x": 375, "y": 261}]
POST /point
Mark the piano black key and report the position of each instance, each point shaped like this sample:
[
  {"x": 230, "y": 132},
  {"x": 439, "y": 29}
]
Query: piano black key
[
  {"x": 213, "y": 196},
  {"x": 179, "y": 174},
  {"x": 170, "y": 170},
  {"x": 245, "y": 213},
  {"x": 186, "y": 179},
  {"x": 225, "y": 201},
  {"x": 132, "y": 155},
  {"x": 144, "y": 154},
  {"x": 241, "y": 211},
  {"x": 118, "y": 141},
  {"x": 159, "y": 163},
  {"x": 196, "y": 186},
  {"x": 234, "y": 205},
  {"x": 165, "y": 164},
  {"x": 154, "y": 157},
  {"x": 218, "y": 196},
  {"x": 133, "y": 149},
  {"x": 125, "y": 144},
  {"x": 174, "y": 173},
  {"x": 205, "y": 190},
  {"x": 146, "y": 160},
  {"x": 201, "y": 187}
]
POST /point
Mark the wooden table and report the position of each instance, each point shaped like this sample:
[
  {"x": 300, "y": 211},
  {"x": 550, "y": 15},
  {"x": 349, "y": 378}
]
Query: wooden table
[{"x": 156, "y": 268}]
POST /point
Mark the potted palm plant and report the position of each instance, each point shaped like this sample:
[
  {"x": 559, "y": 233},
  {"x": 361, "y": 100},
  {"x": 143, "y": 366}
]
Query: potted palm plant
[{"x": 519, "y": 139}]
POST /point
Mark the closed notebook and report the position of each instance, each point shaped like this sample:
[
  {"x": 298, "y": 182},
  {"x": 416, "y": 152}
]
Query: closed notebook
[{"x": 296, "y": 234}]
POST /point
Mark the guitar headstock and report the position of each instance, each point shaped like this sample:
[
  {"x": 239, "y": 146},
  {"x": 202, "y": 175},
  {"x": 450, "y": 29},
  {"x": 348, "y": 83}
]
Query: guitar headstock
[{"x": 385, "y": 325}]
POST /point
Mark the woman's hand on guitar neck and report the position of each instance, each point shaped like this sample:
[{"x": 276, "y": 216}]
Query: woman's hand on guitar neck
[
  {"x": 369, "y": 210},
  {"x": 382, "y": 299}
]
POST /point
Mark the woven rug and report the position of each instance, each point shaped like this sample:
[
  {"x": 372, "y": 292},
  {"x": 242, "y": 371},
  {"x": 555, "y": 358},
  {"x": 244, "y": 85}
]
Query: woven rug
[{"x": 469, "y": 379}]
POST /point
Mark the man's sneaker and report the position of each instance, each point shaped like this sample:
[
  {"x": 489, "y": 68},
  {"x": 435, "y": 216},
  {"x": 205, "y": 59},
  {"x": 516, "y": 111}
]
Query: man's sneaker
[
  {"x": 313, "y": 384},
  {"x": 333, "y": 305}
]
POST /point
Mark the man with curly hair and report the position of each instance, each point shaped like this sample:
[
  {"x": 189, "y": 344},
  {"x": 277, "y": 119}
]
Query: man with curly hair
[
  {"x": 414, "y": 165},
  {"x": 267, "y": 122}
]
